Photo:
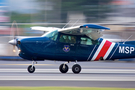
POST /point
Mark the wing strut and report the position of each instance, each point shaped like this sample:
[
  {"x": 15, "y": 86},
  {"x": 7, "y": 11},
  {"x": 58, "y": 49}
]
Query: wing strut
[
  {"x": 66, "y": 24},
  {"x": 75, "y": 23}
]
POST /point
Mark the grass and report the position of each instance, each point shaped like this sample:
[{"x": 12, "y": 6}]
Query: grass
[{"x": 61, "y": 88}]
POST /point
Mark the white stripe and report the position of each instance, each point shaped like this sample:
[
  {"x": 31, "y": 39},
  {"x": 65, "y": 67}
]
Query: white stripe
[
  {"x": 99, "y": 49},
  {"x": 109, "y": 50}
]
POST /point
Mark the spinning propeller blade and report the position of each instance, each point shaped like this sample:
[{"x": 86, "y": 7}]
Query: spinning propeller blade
[{"x": 13, "y": 34}]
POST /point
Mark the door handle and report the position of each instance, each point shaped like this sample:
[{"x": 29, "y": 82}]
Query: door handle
[{"x": 71, "y": 44}]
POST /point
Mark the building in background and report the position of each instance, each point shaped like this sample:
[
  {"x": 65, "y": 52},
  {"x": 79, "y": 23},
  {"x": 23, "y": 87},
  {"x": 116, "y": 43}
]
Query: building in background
[{"x": 122, "y": 12}]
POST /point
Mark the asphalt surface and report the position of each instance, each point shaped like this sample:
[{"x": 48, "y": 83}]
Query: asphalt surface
[{"x": 93, "y": 74}]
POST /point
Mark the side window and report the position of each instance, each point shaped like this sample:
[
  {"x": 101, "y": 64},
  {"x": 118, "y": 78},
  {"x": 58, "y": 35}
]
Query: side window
[
  {"x": 72, "y": 39},
  {"x": 67, "y": 39},
  {"x": 86, "y": 41},
  {"x": 61, "y": 38}
]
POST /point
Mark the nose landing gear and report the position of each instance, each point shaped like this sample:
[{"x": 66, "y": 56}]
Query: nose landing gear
[{"x": 31, "y": 68}]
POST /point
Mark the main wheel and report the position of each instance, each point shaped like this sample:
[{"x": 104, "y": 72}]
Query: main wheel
[
  {"x": 30, "y": 69},
  {"x": 76, "y": 68},
  {"x": 63, "y": 68}
]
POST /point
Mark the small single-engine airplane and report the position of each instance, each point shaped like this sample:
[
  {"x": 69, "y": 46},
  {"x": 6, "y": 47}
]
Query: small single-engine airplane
[{"x": 72, "y": 44}]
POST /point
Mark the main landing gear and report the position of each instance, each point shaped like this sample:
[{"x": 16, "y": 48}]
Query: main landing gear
[
  {"x": 64, "y": 68},
  {"x": 76, "y": 68}
]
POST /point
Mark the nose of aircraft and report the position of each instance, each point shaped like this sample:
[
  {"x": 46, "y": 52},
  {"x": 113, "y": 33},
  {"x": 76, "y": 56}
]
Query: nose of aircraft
[{"x": 13, "y": 42}]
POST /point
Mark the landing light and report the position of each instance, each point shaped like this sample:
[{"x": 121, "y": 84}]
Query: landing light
[
  {"x": 14, "y": 50},
  {"x": 19, "y": 50}
]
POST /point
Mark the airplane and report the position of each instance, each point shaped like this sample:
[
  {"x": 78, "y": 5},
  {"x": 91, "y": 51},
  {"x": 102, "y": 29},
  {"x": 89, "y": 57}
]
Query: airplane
[{"x": 72, "y": 44}]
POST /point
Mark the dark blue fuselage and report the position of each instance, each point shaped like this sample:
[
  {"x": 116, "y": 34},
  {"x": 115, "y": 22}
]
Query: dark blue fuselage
[{"x": 41, "y": 48}]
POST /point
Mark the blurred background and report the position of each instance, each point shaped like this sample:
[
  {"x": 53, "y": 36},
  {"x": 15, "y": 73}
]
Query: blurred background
[{"x": 118, "y": 15}]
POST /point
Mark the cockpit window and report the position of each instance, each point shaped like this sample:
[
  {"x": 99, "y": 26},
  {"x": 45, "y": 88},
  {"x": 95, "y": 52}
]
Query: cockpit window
[
  {"x": 67, "y": 39},
  {"x": 88, "y": 41},
  {"x": 52, "y": 35}
]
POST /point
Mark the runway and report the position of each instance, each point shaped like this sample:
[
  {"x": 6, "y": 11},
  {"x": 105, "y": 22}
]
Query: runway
[{"x": 93, "y": 74}]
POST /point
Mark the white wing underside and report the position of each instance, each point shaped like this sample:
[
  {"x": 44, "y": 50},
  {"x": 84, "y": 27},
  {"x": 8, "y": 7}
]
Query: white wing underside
[
  {"x": 47, "y": 29},
  {"x": 92, "y": 33}
]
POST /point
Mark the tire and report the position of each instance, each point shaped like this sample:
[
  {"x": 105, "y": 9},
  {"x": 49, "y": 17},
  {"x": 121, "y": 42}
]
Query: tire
[
  {"x": 76, "y": 68},
  {"x": 30, "y": 69},
  {"x": 62, "y": 69}
]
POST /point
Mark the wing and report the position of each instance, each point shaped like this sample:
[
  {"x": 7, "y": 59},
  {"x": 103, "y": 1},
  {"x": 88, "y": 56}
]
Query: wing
[
  {"x": 47, "y": 29},
  {"x": 91, "y": 30}
]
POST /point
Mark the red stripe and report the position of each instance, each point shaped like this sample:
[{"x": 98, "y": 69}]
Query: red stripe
[{"x": 103, "y": 50}]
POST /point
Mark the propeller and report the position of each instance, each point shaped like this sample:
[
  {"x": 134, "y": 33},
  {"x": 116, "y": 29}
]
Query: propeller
[{"x": 13, "y": 35}]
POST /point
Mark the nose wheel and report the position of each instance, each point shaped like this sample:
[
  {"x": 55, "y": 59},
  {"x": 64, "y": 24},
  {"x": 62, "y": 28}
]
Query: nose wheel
[
  {"x": 31, "y": 69},
  {"x": 63, "y": 68}
]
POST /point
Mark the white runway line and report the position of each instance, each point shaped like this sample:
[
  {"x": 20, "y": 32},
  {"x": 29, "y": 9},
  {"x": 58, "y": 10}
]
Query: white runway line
[
  {"x": 65, "y": 78},
  {"x": 70, "y": 71},
  {"x": 85, "y": 75}
]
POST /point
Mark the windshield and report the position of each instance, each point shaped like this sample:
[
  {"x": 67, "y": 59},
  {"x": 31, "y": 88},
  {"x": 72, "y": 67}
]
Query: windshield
[{"x": 52, "y": 35}]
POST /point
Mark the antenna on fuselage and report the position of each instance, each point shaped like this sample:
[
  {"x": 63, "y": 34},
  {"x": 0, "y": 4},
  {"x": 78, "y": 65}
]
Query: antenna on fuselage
[
  {"x": 127, "y": 39},
  {"x": 66, "y": 24}
]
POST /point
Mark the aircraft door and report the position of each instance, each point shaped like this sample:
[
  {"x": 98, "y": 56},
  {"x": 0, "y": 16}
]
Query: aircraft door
[
  {"x": 85, "y": 48},
  {"x": 66, "y": 47}
]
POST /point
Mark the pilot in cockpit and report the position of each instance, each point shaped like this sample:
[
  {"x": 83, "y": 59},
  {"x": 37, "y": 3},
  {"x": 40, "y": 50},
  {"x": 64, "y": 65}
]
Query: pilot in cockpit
[
  {"x": 62, "y": 38},
  {"x": 67, "y": 39},
  {"x": 73, "y": 40}
]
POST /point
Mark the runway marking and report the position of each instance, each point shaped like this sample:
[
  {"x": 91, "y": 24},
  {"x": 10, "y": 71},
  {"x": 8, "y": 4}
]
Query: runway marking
[
  {"x": 108, "y": 67},
  {"x": 65, "y": 78},
  {"x": 83, "y": 66},
  {"x": 30, "y": 64},
  {"x": 55, "y": 75}
]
